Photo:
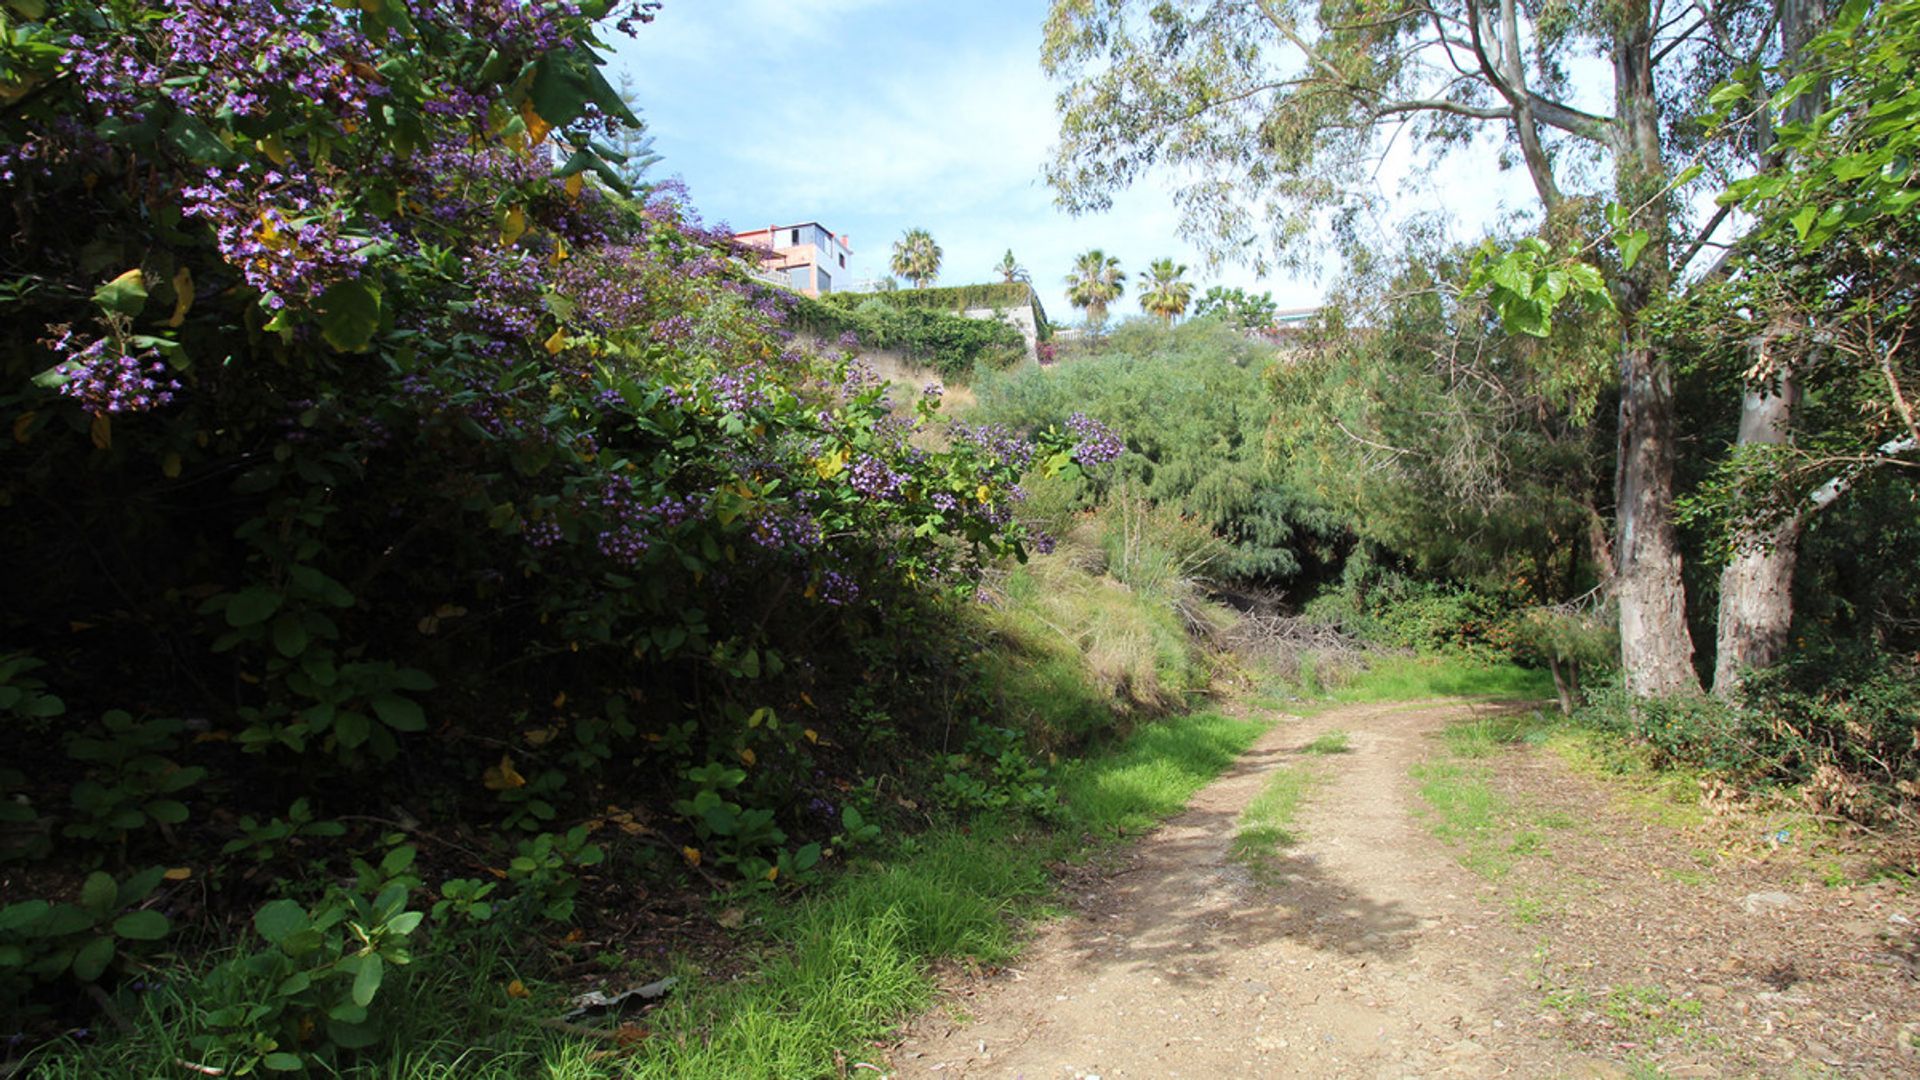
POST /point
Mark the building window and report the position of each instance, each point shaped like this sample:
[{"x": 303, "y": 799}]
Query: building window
[
  {"x": 800, "y": 277},
  {"x": 826, "y": 282},
  {"x": 843, "y": 261},
  {"x": 795, "y": 241}
]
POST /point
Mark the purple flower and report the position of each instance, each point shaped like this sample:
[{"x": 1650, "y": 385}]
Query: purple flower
[{"x": 1097, "y": 444}]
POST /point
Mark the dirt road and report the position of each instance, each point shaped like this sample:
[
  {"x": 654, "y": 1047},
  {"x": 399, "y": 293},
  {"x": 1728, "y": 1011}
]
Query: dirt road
[{"x": 1373, "y": 953}]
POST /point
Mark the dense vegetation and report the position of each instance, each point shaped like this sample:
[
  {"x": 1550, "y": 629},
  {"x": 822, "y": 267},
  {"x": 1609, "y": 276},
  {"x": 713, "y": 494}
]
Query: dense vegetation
[
  {"x": 427, "y": 536},
  {"x": 439, "y": 564}
]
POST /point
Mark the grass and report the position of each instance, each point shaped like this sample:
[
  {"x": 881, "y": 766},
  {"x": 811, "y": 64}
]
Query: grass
[
  {"x": 1464, "y": 810},
  {"x": 843, "y": 965},
  {"x": 1332, "y": 742},
  {"x": 1266, "y": 825},
  {"x": 1412, "y": 678},
  {"x": 1661, "y": 796}
]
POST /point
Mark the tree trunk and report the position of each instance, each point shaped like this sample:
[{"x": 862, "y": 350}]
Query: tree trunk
[
  {"x": 1562, "y": 685},
  {"x": 1756, "y": 588},
  {"x": 1656, "y": 648}
]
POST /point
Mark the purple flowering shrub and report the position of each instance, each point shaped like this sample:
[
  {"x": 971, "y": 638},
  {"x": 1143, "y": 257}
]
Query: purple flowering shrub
[{"x": 355, "y": 411}]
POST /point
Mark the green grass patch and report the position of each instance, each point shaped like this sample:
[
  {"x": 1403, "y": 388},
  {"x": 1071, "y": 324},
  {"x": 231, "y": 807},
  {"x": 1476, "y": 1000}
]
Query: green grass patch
[
  {"x": 1267, "y": 824},
  {"x": 1662, "y": 796},
  {"x": 1466, "y": 813},
  {"x": 1410, "y": 678},
  {"x": 1153, "y": 773},
  {"x": 1333, "y": 742},
  {"x": 1464, "y": 810}
]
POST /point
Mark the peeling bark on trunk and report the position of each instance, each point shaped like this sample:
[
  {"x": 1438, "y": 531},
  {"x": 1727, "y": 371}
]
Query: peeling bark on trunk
[
  {"x": 1756, "y": 588},
  {"x": 1656, "y": 647}
]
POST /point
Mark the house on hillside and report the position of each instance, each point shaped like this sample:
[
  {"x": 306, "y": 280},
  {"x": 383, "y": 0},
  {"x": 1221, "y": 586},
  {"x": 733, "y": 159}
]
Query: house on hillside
[{"x": 806, "y": 258}]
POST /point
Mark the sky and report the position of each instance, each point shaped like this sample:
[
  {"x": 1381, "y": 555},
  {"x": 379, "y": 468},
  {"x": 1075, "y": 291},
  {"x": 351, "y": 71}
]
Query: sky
[{"x": 873, "y": 117}]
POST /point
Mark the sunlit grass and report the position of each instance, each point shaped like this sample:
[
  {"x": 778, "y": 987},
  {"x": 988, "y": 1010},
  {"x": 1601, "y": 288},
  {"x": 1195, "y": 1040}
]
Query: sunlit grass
[
  {"x": 1267, "y": 824},
  {"x": 1412, "y": 678}
]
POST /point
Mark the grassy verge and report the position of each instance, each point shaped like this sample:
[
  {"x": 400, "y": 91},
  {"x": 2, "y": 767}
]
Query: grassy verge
[{"x": 842, "y": 966}]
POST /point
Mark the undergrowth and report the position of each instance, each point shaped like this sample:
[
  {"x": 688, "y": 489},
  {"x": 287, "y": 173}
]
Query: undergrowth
[{"x": 842, "y": 965}]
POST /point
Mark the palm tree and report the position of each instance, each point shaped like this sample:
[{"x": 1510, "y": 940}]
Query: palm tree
[
  {"x": 1095, "y": 282},
  {"x": 1163, "y": 293},
  {"x": 916, "y": 257},
  {"x": 1010, "y": 270}
]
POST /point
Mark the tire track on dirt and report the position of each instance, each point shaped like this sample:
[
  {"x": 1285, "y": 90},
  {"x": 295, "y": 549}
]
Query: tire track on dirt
[{"x": 1369, "y": 954}]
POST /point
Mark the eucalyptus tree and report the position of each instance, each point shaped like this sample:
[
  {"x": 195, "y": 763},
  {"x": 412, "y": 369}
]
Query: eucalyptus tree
[
  {"x": 1095, "y": 282},
  {"x": 1278, "y": 112},
  {"x": 1165, "y": 292},
  {"x": 1819, "y": 308},
  {"x": 1010, "y": 270},
  {"x": 916, "y": 257}
]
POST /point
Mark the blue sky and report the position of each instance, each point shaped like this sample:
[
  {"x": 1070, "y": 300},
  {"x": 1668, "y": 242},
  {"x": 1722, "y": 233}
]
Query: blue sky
[{"x": 876, "y": 116}]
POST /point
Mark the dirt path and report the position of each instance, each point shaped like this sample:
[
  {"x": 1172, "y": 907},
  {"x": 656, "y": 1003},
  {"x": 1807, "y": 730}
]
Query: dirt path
[
  {"x": 1370, "y": 956},
  {"x": 1374, "y": 953}
]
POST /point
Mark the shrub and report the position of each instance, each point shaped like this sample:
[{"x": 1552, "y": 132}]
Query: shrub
[{"x": 1192, "y": 405}]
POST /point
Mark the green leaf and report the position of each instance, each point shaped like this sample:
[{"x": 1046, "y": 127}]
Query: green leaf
[
  {"x": 196, "y": 140},
  {"x": 251, "y": 607},
  {"x": 24, "y": 913},
  {"x": 124, "y": 295},
  {"x": 405, "y": 922},
  {"x": 414, "y": 679},
  {"x": 366, "y": 982},
  {"x": 281, "y": 1061},
  {"x": 167, "y": 811},
  {"x": 398, "y": 713},
  {"x": 278, "y": 919},
  {"x": 349, "y": 314},
  {"x": 141, "y": 926},
  {"x": 98, "y": 893},
  {"x": 352, "y": 728},
  {"x": 290, "y": 635},
  {"x": 1630, "y": 247},
  {"x": 92, "y": 959},
  {"x": 560, "y": 91},
  {"x": 1803, "y": 220}
]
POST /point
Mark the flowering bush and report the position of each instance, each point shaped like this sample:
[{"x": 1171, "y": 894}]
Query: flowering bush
[{"x": 358, "y": 414}]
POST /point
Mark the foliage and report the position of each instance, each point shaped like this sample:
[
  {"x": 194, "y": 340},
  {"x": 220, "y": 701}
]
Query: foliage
[
  {"x": 1193, "y": 406},
  {"x": 951, "y": 298},
  {"x": 1163, "y": 292},
  {"x": 373, "y": 449},
  {"x": 1443, "y": 439},
  {"x": 953, "y": 345},
  {"x": 47, "y": 942},
  {"x": 1094, "y": 283},
  {"x": 916, "y": 257},
  {"x": 311, "y": 991},
  {"x": 1397, "y": 610},
  {"x": 1010, "y": 270},
  {"x": 1237, "y": 307}
]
